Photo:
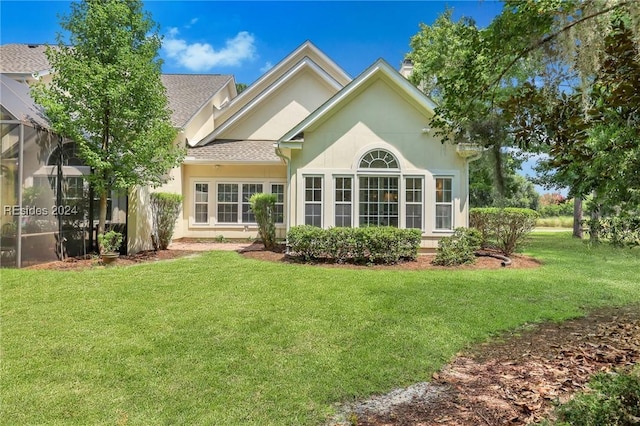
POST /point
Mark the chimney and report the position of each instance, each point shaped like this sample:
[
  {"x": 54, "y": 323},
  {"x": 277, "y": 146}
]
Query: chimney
[{"x": 406, "y": 68}]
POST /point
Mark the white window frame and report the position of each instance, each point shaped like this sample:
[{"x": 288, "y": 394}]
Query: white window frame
[
  {"x": 437, "y": 203},
  {"x": 337, "y": 202},
  {"x": 313, "y": 202},
  {"x": 237, "y": 203},
  {"x": 196, "y": 202},
  {"x": 282, "y": 203},
  {"x": 414, "y": 203}
]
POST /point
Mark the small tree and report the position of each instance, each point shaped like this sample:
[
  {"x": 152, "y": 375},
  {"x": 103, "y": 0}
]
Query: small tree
[
  {"x": 263, "y": 206},
  {"x": 165, "y": 208},
  {"x": 106, "y": 95}
]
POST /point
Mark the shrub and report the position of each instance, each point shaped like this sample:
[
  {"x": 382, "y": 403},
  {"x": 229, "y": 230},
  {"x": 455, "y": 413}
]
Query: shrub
[
  {"x": 263, "y": 206},
  {"x": 506, "y": 228},
  {"x": 459, "y": 248},
  {"x": 359, "y": 245},
  {"x": 614, "y": 399},
  {"x": 110, "y": 242},
  {"x": 165, "y": 208},
  {"x": 620, "y": 231}
]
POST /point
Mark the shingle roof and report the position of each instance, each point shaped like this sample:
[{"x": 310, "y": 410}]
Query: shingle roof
[
  {"x": 236, "y": 150},
  {"x": 187, "y": 93},
  {"x": 23, "y": 58}
]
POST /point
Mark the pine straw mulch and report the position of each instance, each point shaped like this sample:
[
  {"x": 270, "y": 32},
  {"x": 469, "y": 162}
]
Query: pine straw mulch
[{"x": 517, "y": 379}]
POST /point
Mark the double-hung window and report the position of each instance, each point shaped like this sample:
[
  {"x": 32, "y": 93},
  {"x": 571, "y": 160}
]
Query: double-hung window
[
  {"x": 413, "y": 202},
  {"x": 277, "y": 189},
  {"x": 201, "y": 215},
  {"x": 248, "y": 189},
  {"x": 444, "y": 204},
  {"x": 313, "y": 201},
  {"x": 343, "y": 197}
]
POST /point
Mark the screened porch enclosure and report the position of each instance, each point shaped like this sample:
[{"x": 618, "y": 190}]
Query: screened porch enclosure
[{"x": 45, "y": 198}]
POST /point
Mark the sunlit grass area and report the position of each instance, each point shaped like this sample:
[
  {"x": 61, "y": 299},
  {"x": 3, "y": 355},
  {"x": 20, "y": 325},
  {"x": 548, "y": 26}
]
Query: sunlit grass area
[{"x": 220, "y": 339}]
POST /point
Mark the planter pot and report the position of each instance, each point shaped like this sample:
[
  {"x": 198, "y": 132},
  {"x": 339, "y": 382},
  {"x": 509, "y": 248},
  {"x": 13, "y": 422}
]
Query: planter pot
[{"x": 108, "y": 258}]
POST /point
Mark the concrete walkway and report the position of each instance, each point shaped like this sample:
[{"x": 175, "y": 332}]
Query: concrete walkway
[{"x": 210, "y": 245}]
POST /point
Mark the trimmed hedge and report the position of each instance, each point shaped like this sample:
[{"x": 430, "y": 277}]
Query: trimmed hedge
[
  {"x": 263, "y": 206},
  {"x": 358, "y": 245},
  {"x": 165, "y": 209},
  {"x": 459, "y": 248},
  {"x": 505, "y": 229}
]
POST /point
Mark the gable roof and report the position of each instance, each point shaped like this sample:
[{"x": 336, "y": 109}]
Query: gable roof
[
  {"x": 23, "y": 58},
  {"x": 15, "y": 98},
  {"x": 379, "y": 69},
  {"x": 305, "y": 64},
  {"x": 307, "y": 54},
  {"x": 189, "y": 93}
]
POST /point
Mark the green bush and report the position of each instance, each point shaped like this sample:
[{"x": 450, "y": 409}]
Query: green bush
[
  {"x": 554, "y": 210},
  {"x": 165, "y": 209},
  {"x": 620, "y": 231},
  {"x": 613, "y": 400},
  {"x": 110, "y": 241},
  {"x": 506, "y": 229},
  {"x": 459, "y": 248},
  {"x": 263, "y": 207},
  {"x": 358, "y": 245}
]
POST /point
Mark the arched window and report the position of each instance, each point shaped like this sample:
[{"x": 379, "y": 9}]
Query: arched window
[
  {"x": 379, "y": 159},
  {"x": 65, "y": 156}
]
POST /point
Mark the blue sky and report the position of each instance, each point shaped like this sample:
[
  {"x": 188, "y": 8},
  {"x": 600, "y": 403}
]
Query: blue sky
[{"x": 246, "y": 38}]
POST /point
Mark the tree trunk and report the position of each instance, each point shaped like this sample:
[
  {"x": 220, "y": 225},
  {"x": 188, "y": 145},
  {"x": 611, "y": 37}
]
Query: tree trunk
[
  {"x": 594, "y": 229},
  {"x": 102, "y": 214},
  {"x": 577, "y": 217}
]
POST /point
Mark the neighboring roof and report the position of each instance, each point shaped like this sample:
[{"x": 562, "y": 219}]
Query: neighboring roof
[
  {"x": 380, "y": 68},
  {"x": 15, "y": 98},
  {"x": 188, "y": 93},
  {"x": 23, "y": 58},
  {"x": 234, "y": 151}
]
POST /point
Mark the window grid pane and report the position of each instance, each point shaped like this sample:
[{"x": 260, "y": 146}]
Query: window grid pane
[
  {"x": 414, "y": 207},
  {"x": 202, "y": 203},
  {"x": 378, "y": 201},
  {"x": 248, "y": 189},
  {"x": 227, "y": 207},
  {"x": 444, "y": 204},
  {"x": 313, "y": 201},
  {"x": 343, "y": 198},
  {"x": 278, "y": 210}
]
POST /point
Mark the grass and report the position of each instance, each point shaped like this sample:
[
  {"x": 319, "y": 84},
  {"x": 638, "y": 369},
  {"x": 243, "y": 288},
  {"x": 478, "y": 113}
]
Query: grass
[{"x": 219, "y": 339}]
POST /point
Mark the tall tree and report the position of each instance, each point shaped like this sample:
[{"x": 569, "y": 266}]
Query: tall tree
[{"x": 106, "y": 95}]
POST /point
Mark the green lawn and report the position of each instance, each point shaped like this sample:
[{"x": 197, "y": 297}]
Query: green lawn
[{"x": 218, "y": 339}]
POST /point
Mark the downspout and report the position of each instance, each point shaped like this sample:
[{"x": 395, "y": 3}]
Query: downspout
[{"x": 287, "y": 161}]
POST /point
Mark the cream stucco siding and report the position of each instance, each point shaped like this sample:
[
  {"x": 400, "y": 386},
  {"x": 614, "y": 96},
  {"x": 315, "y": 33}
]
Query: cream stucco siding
[
  {"x": 282, "y": 109},
  {"x": 377, "y": 117},
  {"x": 212, "y": 175}
]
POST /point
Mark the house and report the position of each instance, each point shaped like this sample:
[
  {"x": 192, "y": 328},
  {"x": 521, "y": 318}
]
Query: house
[{"x": 336, "y": 151}]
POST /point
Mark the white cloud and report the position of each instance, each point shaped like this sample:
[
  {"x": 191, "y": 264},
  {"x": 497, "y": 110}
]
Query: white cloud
[
  {"x": 192, "y": 22},
  {"x": 267, "y": 66},
  {"x": 203, "y": 57}
]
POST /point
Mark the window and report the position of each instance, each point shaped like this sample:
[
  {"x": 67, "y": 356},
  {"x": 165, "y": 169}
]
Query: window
[
  {"x": 444, "y": 204},
  {"x": 378, "y": 159},
  {"x": 413, "y": 203},
  {"x": 227, "y": 203},
  {"x": 248, "y": 189},
  {"x": 378, "y": 201},
  {"x": 202, "y": 203},
  {"x": 278, "y": 211},
  {"x": 343, "y": 201},
  {"x": 313, "y": 201}
]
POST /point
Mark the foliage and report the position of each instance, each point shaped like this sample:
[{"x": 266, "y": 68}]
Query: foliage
[
  {"x": 506, "y": 229},
  {"x": 459, "y": 248},
  {"x": 613, "y": 399},
  {"x": 110, "y": 242},
  {"x": 165, "y": 209},
  {"x": 106, "y": 95},
  {"x": 263, "y": 207},
  {"x": 622, "y": 230},
  {"x": 358, "y": 245},
  {"x": 553, "y": 210}
]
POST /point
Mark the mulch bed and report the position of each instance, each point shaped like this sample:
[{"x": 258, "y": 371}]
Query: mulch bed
[{"x": 81, "y": 263}]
